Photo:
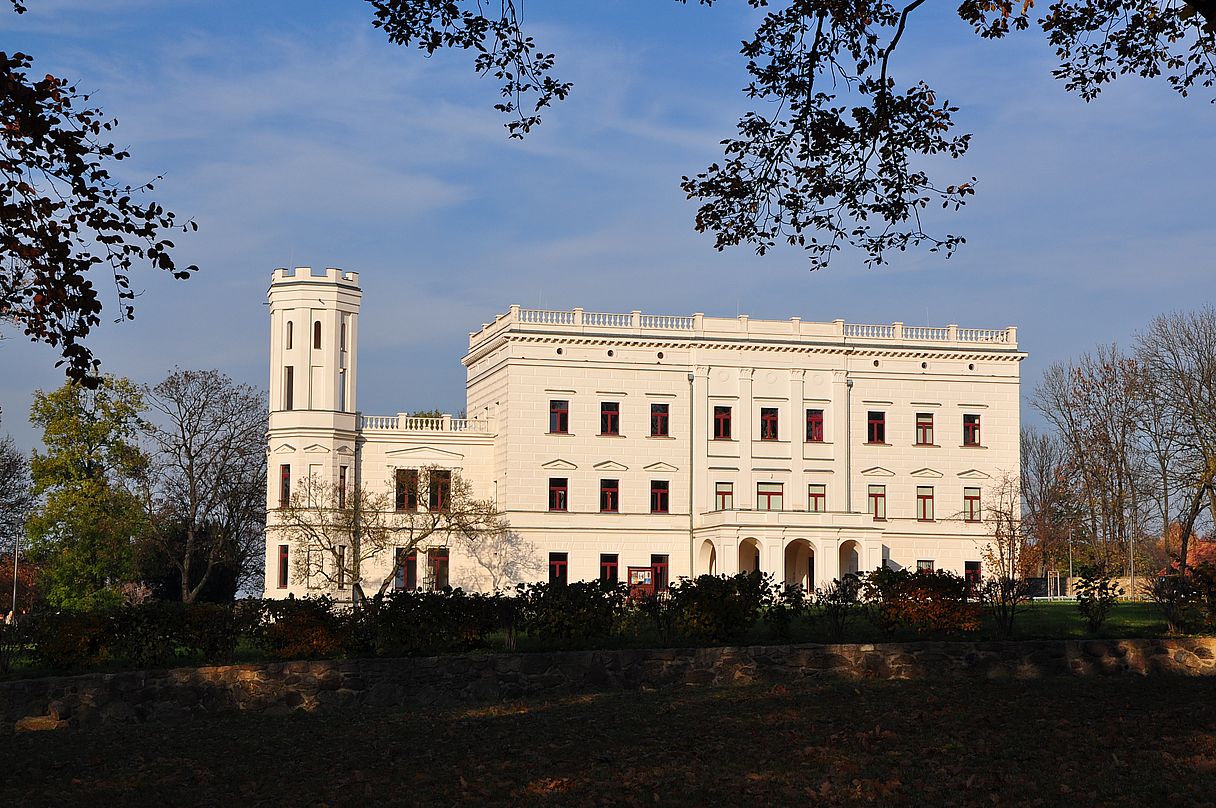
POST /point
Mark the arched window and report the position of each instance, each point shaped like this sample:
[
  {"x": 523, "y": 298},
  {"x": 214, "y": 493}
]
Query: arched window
[
  {"x": 289, "y": 335},
  {"x": 316, "y": 335}
]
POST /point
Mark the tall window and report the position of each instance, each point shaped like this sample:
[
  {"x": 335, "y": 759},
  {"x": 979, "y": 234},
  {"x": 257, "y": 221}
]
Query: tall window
[
  {"x": 558, "y": 567},
  {"x": 440, "y": 491},
  {"x": 724, "y": 496},
  {"x": 437, "y": 560},
  {"x": 557, "y": 494},
  {"x": 289, "y": 333},
  {"x": 971, "y": 574},
  {"x": 658, "y": 420},
  {"x": 289, "y": 388},
  {"x": 924, "y": 503},
  {"x": 971, "y": 430},
  {"x": 406, "y": 576},
  {"x": 283, "y": 550},
  {"x": 284, "y": 485},
  {"x": 316, "y": 335},
  {"x": 814, "y": 426},
  {"x": 658, "y": 496},
  {"x": 769, "y": 497},
  {"x": 816, "y": 497},
  {"x": 342, "y": 337},
  {"x": 971, "y": 504},
  {"x": 721, "y": 423},
  {"x": 660, "y": 564},
  {"x": 405, "y": 495},
  {"x": 610, "y": 496},
  {"x": 341, "y": 566},
  {"x": 876, "y": 498},
  {"x": 924, "y": 429},
  {"x": 341, "y": 487},
  {"x": 610, "y": 418},
  {"x": 609, "y": 566},
  {"x": 768, "y": 423},
  {"x": 876, "y": 427},
  {"x": 559, "y": 417},
  {"x": 924, "y": 565}
]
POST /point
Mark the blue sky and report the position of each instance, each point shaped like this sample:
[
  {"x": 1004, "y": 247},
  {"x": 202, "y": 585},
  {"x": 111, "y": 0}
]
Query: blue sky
[{"x": 295, "y": 134}]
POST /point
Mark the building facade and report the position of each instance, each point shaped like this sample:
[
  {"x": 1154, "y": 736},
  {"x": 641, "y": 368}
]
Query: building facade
[{"x": 679, "y": 444}]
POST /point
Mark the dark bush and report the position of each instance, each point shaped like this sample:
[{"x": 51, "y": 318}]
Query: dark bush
[
  {"x": 66, "y": 641},
  {"x": 922, "y": 601},
  {"x": 717, "y": 608},
  {"x": 1097, "y": 594},
  {"x": 783, "y": 605},
  {"x": 839, "y": 601},
  {"x": 303, "y": 628},
  {"x": 420, "y": 622},
  {"x": 582, "y": 609}
]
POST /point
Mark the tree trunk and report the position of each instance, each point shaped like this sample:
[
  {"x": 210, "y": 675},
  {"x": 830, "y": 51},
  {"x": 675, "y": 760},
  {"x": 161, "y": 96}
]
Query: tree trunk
[{"x": 1192, "y": 515}]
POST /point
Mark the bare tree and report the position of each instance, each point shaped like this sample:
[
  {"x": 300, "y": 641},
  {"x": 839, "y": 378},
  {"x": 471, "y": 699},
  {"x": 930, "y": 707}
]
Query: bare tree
[
  {"x": 207, "y": 495},
  {"x": 1004, "y": 588},
  {"x": 1179, "y": 351},
  {"x": 1048, "y": 504},
  {"x": 335, "y": 532},
  {"x": 503, "y": 558}
]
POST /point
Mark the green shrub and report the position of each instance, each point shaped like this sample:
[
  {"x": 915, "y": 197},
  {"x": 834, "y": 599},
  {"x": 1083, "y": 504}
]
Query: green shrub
[
  {"x": 581, "y": 609},
  {"x": 421, "y": 622},
  {"x": 839, "y": 601},
  {"x": 717, "y": 608},
  {"x": 1097, "y": 594},
  {"x": 783, "y": 604}
]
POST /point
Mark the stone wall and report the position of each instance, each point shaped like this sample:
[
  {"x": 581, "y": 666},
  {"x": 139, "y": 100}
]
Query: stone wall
[{"x": 181, "y": 693}]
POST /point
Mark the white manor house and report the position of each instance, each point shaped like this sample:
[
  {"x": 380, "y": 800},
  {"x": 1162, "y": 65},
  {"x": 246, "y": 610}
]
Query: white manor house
[{"x": 686, "y": 444}]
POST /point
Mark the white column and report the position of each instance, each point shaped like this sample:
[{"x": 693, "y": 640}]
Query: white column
[{"x": 827, "y": 561}]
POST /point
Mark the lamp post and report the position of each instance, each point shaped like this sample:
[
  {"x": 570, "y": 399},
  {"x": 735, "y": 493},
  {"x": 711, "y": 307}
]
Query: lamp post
[{"x": 16, "y": 545}]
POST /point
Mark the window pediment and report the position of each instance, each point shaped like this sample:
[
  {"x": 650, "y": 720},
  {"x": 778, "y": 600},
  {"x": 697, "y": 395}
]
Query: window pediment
[
  {"x": 285, "y": 448},
  {"x": 974, "y": 474},
  {"x": 927, "y": 472},
  {"x": 660, "y": 466},
  {"x": 610, "y": 465},
  {"x": 877, "y": 471},
  {"x": 564, "y": 465}
]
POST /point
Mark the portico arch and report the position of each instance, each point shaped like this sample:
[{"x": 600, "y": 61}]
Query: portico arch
[
  {"x": 708, "y": 560},
  {"x": 800, "y": 564},
  {"x": 749, "y": 555},
  {"x": 850, "y": 557}
]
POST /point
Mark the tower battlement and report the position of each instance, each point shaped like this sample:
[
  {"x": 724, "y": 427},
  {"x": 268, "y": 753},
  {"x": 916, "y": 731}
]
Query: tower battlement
[{"x": 307, "y": 274}]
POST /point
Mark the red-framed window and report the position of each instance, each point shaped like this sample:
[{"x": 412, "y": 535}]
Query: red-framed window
[
  {"x": 769, "y": 496},
  {"x": 439, "y": 491},
  {"x": 341, "y": 487},
  {"x": 610, "y": 496},
  {"x": 559, "y": 564},
  {"x": 558, "y": 494},
  {"x": 289, "y": 388},
  {"x": 660, "y": 564},
  {"x": 284, "y": 485},
  {"x": 924, "y": 503},
  {"x": 924, "y": 565},
  {"x": 876, "y": 427},
  {"x": 283, "y": 568},
  {"x": 609, "y": 568},
  {"x": 659, "y": 420},
  {"x": 721, "y": 423},
  {"x": 814, "y": 426},
  {"x": 971, "y": 430},
  {"x": 437, "y": 561},
  {"x": 768, "y": 423},
  {"x": 924, "y": 429},
  {"x": 559, "y": 417},
  {"x": 610, "y": 418},
  {"x": 406, "y": 576},
  {"x": 341, "y": 566},
  {"x": 876, "y": 500},
  {"x": 659, "y": 490},
  {"x": 405, "y": 489},
  {"x": 724, "y": 496},
  {"x": 971, "y": 504},
  {"x": 816, "y": 497},
  {"x": 971, "y": 574}
]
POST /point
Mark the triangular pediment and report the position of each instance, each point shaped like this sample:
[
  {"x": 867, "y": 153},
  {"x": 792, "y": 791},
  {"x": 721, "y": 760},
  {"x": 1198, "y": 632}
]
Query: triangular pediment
[
  {"x": 877, "y": 471},
  {"x": 423, "y": 453},
  {"x": 974, "y": 474},
  {"x": 285, "y": 448},
  {"x": 660, "y": 466},
  {"x": 610, "y": 465},
  {"x": 564, "y": 465},
  {"x": 345, "y": 450},
  {"x": 316, "y": 448},
  {"x": 926, "y": 473}
]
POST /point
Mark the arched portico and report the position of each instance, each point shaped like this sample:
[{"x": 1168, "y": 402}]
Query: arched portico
[
  {"x": 800, "y": 564},
  {"x": 749, "y": 555},
  {"x": 850, "y": 557},
  {"x": 707, "y": 561}
]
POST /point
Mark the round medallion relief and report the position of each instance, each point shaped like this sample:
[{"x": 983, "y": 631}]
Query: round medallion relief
[
  {"x": 817, "y": 379},
  {"x": 722, "y": 375},
  {"x": 771, "y": 377}
]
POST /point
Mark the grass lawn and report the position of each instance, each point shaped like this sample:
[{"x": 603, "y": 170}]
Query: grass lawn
[{"x": 1073, "y": 742}]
